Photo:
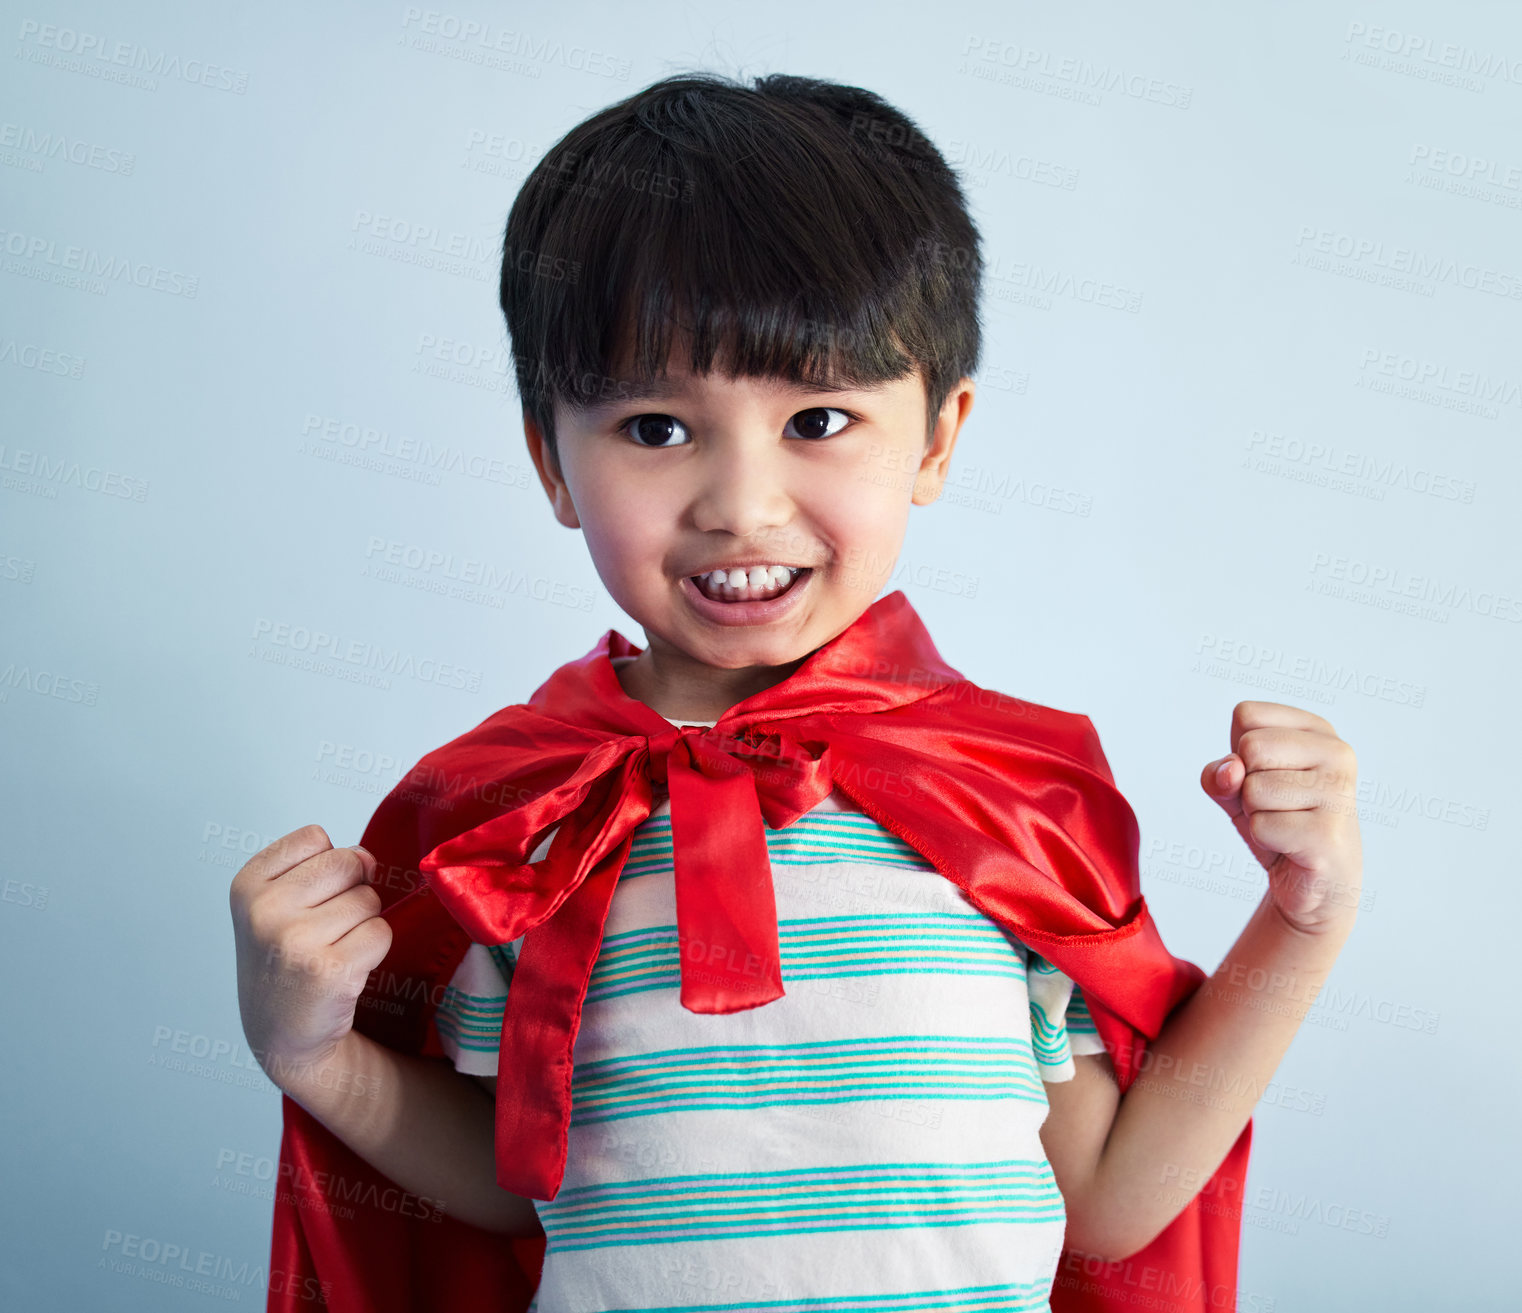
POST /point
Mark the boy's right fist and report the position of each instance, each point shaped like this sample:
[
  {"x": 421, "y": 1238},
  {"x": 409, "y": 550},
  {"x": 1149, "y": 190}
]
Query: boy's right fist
[{"x": 308, "y": 934}]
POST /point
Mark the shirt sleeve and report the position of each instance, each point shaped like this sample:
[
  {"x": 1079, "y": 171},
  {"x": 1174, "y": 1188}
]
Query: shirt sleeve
[
  {"x": 1060, "y": 1022},
  {"x": 469, "y": 1017}
]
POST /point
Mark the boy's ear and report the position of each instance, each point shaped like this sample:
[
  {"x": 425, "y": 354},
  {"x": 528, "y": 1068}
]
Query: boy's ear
[
  {"x": 937, "y": 458},
  {"x": 548, "y": 465}
]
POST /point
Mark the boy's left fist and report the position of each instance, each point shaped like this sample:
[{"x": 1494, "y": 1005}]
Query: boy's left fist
[{"x": 1289, "y": 785}]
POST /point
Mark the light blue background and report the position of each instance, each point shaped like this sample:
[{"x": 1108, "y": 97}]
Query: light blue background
[{"x": 1169, "y": 569}]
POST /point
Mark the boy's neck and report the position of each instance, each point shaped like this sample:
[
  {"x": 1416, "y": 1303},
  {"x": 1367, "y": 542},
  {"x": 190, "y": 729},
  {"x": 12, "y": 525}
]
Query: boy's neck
[{"x": 699, "y": 693}]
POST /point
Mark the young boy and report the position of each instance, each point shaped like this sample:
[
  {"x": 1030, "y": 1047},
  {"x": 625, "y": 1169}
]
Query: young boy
[{"x": 912, "y": 1043}]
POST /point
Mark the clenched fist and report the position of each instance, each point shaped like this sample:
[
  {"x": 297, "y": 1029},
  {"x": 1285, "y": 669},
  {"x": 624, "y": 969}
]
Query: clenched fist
[
  {"x": 308, "y": 932},
  {"x": 1289, "y": 785}
]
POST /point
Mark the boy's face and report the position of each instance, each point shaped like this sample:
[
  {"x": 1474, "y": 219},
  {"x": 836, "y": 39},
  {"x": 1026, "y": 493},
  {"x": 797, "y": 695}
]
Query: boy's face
[{"x": 710, "y": 473}]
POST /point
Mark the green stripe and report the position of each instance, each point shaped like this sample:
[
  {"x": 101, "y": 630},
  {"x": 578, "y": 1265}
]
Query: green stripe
[
  {"x": 813, "y": 839},
  {"x": 1079, "y": 1020},
  {"x": 866, "y": 1172},
  {"x": 973, "y": 1043},
  {"x": 1010, "y": 1297},
  {"x": 895, "y": 1067},
  {"x": 869, "y": 1197},
  {"x": 1048, "y": 1038},
  {"x": 471, "y": 1021},
  {"x": 816, "y": 948},
  {"x": 504, "y": 957}
]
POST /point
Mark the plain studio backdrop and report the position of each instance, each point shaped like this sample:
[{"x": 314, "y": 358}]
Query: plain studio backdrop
[{"x": 1247, "y": 427}]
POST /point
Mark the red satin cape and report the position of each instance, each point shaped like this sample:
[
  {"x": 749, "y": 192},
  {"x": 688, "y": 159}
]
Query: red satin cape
[{"x": 1011, "y": 801}]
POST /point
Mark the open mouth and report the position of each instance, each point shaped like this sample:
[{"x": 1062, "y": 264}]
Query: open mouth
[{"x": 757, "y": 584}]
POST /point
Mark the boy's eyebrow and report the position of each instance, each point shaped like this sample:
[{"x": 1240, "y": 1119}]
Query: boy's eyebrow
[{"x": 621, "y": 391}]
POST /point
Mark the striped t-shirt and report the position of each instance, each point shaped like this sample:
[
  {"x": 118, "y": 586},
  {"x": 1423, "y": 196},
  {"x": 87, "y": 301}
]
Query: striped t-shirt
[{"x": 869, "y": 1141}]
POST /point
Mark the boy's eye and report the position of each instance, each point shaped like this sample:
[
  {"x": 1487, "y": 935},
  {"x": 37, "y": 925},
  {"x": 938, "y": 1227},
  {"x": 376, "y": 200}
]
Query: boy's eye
[
  {"x": 658, "y": 430},
  {"x": 654, "y": 430},
  {"x": 815, "y": 423}
]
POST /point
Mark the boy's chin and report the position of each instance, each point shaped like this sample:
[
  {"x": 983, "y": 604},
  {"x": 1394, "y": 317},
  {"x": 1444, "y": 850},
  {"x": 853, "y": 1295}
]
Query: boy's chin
[
  {"x": 737, "y": 654},
  {"x": 731, "y": 652},
  {"x": 718, "y": 648}
]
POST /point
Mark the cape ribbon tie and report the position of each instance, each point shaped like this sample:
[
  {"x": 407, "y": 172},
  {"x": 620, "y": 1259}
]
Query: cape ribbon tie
[
  {"x": 722, "y": 788},
  {"x": 726, "y": 910}
]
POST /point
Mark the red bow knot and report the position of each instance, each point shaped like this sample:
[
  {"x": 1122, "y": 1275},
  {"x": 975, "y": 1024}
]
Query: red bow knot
[{"x": 721, "y": 788}]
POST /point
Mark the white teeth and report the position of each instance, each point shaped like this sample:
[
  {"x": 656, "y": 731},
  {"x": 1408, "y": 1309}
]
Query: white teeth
[
  {"x": 760, "y": 576},
  {"x": 759, "y": 580}
]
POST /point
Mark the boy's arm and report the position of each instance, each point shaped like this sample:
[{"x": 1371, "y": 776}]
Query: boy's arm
[
  {"x": 308, "y": 933},
  {"x": 1128, "y": 1164},
  {"x": 428, "y": 1127}
]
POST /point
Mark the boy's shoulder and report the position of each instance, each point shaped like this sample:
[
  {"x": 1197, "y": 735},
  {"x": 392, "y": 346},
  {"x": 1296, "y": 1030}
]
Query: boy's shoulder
[{"x": 975, "y": 709}]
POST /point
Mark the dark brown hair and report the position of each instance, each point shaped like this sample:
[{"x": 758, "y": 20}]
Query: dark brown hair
[{"x": 799, "y": 228}]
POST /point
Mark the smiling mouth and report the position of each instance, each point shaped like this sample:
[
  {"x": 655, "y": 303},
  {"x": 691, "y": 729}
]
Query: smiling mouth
[{"x": 761, "y": 584}]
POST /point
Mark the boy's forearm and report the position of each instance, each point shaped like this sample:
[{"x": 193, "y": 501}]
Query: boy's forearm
[
  {"x": 1204, "y": 1074},
  {"x": 420, "y": 1122}
]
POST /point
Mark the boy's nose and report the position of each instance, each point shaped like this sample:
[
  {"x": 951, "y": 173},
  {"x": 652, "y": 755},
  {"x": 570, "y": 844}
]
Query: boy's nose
[{"x": 742, "y": 489}]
